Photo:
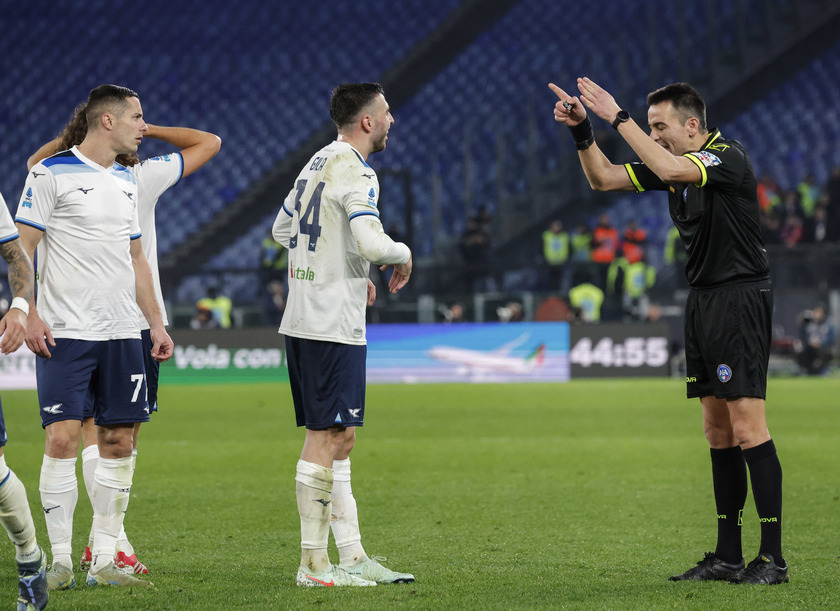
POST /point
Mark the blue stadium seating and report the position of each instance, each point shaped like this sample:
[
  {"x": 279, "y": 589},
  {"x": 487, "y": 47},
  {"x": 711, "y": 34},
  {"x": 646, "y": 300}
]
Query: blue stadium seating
[{"x": 488, "y": 112}]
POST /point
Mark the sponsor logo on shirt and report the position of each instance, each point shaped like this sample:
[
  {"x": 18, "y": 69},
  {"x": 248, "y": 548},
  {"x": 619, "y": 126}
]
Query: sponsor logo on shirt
[
  {"x": 298, "y": 273},
  {"x": 707, "y": 159},
  {"x": 167, "y": 158}
]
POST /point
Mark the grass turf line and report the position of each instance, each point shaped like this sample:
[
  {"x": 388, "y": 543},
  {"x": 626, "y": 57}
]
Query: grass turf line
[{"x": 584, "y": 495}]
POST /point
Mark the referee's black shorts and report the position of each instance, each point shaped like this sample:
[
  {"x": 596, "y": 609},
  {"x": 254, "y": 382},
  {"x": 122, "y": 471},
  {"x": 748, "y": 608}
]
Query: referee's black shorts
[{"x": 727, "y": 340}]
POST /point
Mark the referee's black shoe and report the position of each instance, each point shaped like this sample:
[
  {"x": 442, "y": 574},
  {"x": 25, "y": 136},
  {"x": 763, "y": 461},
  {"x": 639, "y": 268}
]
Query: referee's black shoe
[
  {"x": 710, "y": 568},
  {"x": 762, "y": 570}
]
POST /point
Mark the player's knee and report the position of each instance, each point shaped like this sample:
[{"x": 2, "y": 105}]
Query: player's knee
[{"x": 116, "y": 442}]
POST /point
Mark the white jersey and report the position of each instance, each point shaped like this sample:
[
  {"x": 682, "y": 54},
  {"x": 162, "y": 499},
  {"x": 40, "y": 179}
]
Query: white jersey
[
  {"x": 154, "y": 176},
  {"x": 330, "y": 224},
  {"x": 88, "y": 214},
  {"x": 8, "y": 231}
]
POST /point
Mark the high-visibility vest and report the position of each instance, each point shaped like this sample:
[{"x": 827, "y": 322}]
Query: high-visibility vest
[{"x": 555, "y": 247}]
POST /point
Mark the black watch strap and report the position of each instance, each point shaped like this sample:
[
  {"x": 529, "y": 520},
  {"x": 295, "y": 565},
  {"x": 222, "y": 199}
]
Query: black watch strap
[{"x": 621, "y": 117}]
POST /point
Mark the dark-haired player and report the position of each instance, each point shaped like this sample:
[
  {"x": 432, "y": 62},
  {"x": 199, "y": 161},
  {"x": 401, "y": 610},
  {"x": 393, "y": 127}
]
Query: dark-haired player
[
  {"x": 712, "y": 199},
  {"x": 154, "y": 177},
  {"x": 330, "y": 224},
  {"x": 79, "y": 209}
]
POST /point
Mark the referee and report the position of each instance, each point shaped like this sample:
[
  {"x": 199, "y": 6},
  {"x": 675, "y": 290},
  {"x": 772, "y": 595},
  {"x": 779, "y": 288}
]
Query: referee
[{"x": 712, "y": 200}]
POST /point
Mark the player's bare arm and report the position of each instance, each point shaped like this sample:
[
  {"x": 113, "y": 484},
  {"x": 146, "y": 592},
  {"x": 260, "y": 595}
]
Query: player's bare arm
[
  {"x": 162, "y": 345},
  {"x": 602, "y": 174},
  {"x": 197, "y": 147},
  {"x": 47, "y": 150},
  {"x": 668, "y": 167},
  {"x": 38, "y": 334},
  {"x": 22, "y": 282}
]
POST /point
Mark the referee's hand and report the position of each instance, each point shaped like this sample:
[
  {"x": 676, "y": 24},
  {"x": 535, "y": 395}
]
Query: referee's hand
[
  {"x": 598, "y": 99},
  {"x": 568, "y": 110}
]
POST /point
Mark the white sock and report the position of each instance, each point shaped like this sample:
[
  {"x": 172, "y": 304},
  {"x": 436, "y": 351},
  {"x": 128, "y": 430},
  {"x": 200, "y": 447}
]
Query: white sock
[
  {"x": 123, "y": 544},
  {"x": 345, "y": 516},
  {"x": 312, "y": 489},
  {"x": 90, "y": 456},
  {"x": 59, "y": 493},
  {"x": 112, "y": 486},
  {"x": 15, "y": 515}
]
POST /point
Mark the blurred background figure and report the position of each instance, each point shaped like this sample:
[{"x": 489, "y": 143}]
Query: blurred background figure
[
  {"x": 203, "y": 319},
  {"x": 556, "y": 252},
  {"x": 218, "y": 305},
  {"x": 817, "y": 335}
]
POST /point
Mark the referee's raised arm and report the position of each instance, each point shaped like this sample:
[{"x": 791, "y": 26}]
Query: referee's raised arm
[{"x": 602, "y": 174}]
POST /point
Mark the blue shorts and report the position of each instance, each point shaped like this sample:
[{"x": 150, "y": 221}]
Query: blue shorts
[
  {"x": 2, "y": 428},
  {"x": 152, "y": 368},
  {"x": 111, "y": 372},
  {"x": 327, "y": 381}
]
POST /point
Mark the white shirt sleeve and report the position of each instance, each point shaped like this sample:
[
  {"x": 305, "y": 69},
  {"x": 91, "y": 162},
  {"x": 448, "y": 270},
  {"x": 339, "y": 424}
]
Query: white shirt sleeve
[
  {"x": 8, "y": 231},
  {"x": 156, "y": 175},
  {"x": 374, "y": 244},
  {"x": 38, "y": 199},
  {"x": 282, "y": 229}
]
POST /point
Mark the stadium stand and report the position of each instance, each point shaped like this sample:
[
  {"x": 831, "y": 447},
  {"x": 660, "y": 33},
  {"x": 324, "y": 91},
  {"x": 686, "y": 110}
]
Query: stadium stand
[{"x": 475, "y": 130}]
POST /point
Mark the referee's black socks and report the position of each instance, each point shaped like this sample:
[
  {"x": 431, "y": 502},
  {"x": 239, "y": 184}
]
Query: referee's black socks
[
  {"x": 766, "y": 479},
  {"x": 729, "y": 476}
]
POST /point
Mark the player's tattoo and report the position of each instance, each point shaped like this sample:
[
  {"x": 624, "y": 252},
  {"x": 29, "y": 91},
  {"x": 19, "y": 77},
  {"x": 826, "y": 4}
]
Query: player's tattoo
[{"x": 21, "y": 272}]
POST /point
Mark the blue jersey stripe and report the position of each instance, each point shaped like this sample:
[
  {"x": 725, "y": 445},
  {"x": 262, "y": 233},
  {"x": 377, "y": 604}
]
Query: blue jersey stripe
[
  {"x": 364, "y": 163},
  {"x": 181, "y": 175},
  {"x": 9, "y": 238},
  {"x": 358, "y": 214},
  {"x": 30, "y": 223}
]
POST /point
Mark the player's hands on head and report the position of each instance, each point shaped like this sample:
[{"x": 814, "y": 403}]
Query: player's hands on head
[
  {"x": 400, "y": 276},
  {"x": 12, "y": 330},
  {"x": 568, "y": 110},
  {"x": 597, "y": 99},
  {"x": 38, "y": 336}
]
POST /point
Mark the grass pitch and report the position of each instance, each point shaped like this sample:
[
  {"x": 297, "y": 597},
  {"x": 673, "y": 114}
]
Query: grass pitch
[{"x": 585, "y": 495}]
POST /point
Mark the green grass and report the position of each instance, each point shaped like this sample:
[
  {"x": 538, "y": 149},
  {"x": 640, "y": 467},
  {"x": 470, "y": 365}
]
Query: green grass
[{"x": 584, "y": 495}]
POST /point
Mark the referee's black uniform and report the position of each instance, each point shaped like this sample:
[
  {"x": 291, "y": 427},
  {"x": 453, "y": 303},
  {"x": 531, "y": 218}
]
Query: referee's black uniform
[
  {"x": 728, "y": 328},
  {"x": 728, "y": 319}
]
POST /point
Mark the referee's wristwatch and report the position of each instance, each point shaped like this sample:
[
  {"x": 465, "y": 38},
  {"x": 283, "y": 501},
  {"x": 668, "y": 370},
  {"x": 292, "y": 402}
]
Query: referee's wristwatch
[{"x": 621, "y": 117}]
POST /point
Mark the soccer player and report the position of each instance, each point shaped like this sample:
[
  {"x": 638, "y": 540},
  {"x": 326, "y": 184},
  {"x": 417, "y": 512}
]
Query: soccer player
[
  {"x": 154, "y": 176},
  {"x": 712, "y": 199},
  {"x": 14, "y": 507},
  {"x": 330, "y": 224},
  {"x": 79, "y": 209}
]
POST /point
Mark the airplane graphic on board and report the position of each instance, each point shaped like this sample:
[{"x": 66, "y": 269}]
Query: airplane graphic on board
[{"x": 478, "y": 363}]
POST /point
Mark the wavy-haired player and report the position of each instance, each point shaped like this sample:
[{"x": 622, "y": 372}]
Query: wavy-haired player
[{"x": 713, "y": 202}]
